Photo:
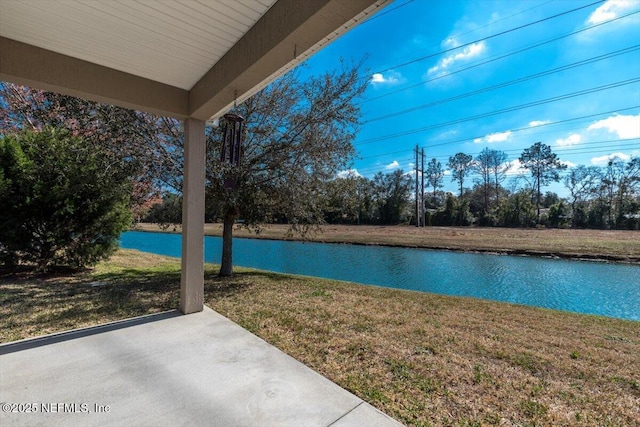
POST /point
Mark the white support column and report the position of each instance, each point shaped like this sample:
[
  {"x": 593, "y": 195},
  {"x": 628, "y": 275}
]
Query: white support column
[{"x": 192, "y": 280}]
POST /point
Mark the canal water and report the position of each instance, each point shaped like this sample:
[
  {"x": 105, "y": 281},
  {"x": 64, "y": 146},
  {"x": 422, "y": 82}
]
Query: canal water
[{"x": 580, "y": 286}]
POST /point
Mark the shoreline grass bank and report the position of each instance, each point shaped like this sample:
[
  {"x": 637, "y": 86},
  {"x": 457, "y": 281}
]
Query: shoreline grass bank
[
  {"x": 424, "y": 359},
  {"x": 597, "y": 245}
]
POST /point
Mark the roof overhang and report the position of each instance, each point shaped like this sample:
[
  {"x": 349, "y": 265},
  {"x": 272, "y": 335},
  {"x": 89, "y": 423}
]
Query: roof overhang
[{"x": 279, "y": 35}]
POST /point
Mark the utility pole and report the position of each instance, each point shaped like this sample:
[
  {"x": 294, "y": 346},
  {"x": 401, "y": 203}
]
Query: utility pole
[
  {"x": 423, "y": 213},
  {"x": 417, "y": 190}
]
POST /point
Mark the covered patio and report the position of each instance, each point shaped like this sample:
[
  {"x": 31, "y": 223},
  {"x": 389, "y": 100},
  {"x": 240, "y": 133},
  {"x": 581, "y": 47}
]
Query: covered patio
[
  {"x": 190, "y": 60},
  {"x": 169, "y": 369}
]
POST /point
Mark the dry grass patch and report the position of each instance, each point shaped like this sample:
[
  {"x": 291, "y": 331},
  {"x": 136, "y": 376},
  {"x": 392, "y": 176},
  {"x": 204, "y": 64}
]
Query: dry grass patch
[
  {"x": 436, "y": 360},
  {"x": 130, "y": 284},
  {"x": 424, "y": 359}
]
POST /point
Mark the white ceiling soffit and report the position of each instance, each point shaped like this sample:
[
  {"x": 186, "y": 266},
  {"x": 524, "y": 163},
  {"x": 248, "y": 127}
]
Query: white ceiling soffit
[
  {"x": 177, "y": 58},
  {"x": 171, "y": 42}
]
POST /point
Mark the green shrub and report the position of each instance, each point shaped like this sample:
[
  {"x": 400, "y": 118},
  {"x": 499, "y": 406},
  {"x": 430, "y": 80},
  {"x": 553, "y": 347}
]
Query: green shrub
[{"x": 64, "y": 202}]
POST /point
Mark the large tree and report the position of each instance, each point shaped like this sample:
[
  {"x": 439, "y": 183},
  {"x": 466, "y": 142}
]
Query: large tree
[
  {"x": 434, "y": 175},
  {"x": 392, "y": 195},
  {"x": 483, "y": 168},
  {"x": 620, "y": 182},
  {"x": 544, "y": 166},
  {"x": 460, "y": 165},
  {"x": 344, "y": 200},
  {"x": 298, "y": 134},
  {"x": 582, "y": 183},
  {"x": 498, "y": 164},
  {"x": 516, "y": 210},
  {"x": 492, "y": 167},
  {"x": 64, "y": 200}
]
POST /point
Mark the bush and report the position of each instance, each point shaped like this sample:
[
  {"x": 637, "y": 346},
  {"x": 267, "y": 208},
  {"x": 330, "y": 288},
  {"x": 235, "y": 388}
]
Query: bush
[
  {"x": 455, "y": 213},
  {"x": 488, "y": 220},
  {"x": 517, "y": 210},
  {"x": 168, "y": 213},
  {"x": 64, "y": 202},
  {"x": 558, "y": 215}
]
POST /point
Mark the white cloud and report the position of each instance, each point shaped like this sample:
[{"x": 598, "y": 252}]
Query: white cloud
[
  {"x": 392, "y": 165},
  {"x": 624, "y": 126},
  {"x": 391, "y": 78},
  {"x": 349, "y": 173},
  {"x": 377, "y": 78},
  {"x": 535, "y": 123},
  {"x": 603, "y": 160},
  {"x": 516, "y": 168},
  {"x": 447, "y": 134},
  {"x": 498, "y": 136},
  {"x": 447, "y": 172},
  {"x": 572, "y": 139},
  {"x": 568, "y": 163},
  {"x": 494, "y": 137},
  {"x": 420, "y": 41},
  {"x": 610, "y": 9},
  {"x": 470, "y": 51},
  {"x": 450, "y": 43}
]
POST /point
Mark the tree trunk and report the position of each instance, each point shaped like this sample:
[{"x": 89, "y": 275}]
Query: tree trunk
[
  {"x": 538, "y": 196},
  {"x": 226, "y": 266},
  {"x": 485, "y": 208}
]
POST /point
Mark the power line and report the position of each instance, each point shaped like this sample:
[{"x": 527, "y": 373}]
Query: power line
[
  {"x": 384, "y": 12},
  {"x": 497, "y": 58},
  {"x": 572, "y": 150},
  {"x": 492, "y": 113},
  {"x": 539, "y": 126},
  {"x": 424, "y": 213},
  {"x": 417, "y": 187},
  {"x": 536, "y": 134},
  {"x": 608, "y": 151},
  {"x": 501, "y": 33},
  {"x": 504, "y": 110},
  {"x": 559, "y": 150},
  {"x": 509, "y": 83},
  {"x": 576, "y": 151},
  {"x": 385, "y": 154},
  {"x": 372, "y": 169},
  {"x": 380, "y": 168},
  {"x": 475, "y": 29},
  {"x": 539, "y": 102}
]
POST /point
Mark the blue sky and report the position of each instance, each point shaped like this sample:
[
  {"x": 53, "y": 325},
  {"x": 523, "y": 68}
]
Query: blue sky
[{"x": 584, "y": 87}]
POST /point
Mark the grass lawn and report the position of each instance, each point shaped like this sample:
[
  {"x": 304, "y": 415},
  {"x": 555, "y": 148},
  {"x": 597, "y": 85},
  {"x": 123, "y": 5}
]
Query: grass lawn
[
  {"x": 616, "y": 245},
  {"x": 422, "y": 358}
]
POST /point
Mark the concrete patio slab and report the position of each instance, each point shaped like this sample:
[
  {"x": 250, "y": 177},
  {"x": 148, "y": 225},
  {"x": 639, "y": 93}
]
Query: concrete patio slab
[{"x": 168, "y": 369}]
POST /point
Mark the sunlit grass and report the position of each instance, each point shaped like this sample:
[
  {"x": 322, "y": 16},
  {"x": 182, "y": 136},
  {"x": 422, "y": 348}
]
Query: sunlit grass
[
  {"x": 425, "y": 359},
  {"x": 435, "y": 360},
  {"x": 130, "y": 284}
]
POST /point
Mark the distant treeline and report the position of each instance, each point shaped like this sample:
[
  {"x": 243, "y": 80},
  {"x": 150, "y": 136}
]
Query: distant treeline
[{"x": 600, "y": 197}]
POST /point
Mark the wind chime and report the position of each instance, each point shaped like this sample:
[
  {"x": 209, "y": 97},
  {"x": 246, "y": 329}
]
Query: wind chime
[{"x": 231, "y": 145}]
